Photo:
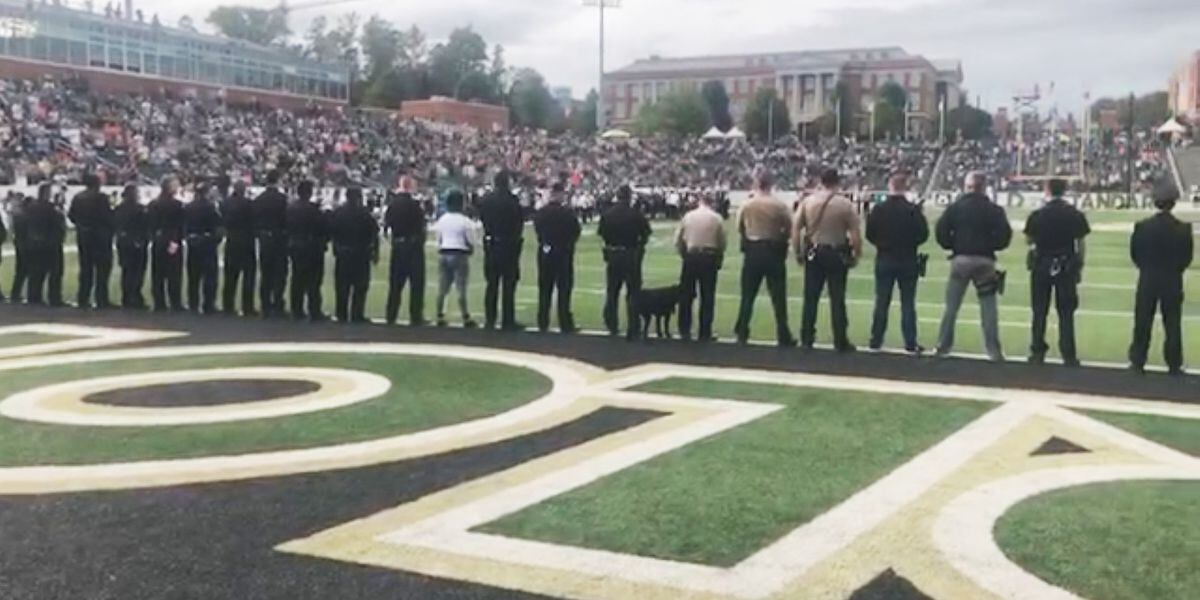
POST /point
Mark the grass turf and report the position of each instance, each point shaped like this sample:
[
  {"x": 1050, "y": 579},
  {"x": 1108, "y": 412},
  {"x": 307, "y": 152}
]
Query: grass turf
[
  {"x": 12, "y": 340},
  {"x": 1180, "y": 434},
  {"x": 427, "y": 392},
  {"x": 720, "y": 500},
  {"x": 1104, "y": 323},
  {"x": 1110, "y": 540}
]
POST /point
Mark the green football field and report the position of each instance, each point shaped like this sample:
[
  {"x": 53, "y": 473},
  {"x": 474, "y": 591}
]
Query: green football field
[{"x": 1104, "y": 321}]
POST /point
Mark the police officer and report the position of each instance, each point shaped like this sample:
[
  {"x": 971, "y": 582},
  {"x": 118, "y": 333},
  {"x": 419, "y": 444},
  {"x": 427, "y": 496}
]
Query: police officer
[
  {"x": 54, "y": 280},
  {"x": 503, "y": 228},
  {"x": 625, "y": 232},
  {"x": 1162, "y": 248},
  {"x": 164, "y": 215},
  {"x": 557, "y": 230},
  {"x": 204, "y": 229},
  {"x": 700, "y": 241},
  {"x": 1056, "y": 233},
  {"x": 240, "y": 257},
  {"x": 92, "y": 215},
  {"x": 3, "y": 238},
  {"x": 828, "y": 244},
  {"x": 269, "y": 222},
  {"x": 355, "y": 248},
  {"x": 44, "y": 230},
  {"x": 133, "y": 236},
  {"x": 404, "y": 220},
  {"x": 897, "y": 228},
  {"x": 18, "y": 209},
  {"x": 307, "y": 235},
  {"x": 765, "y": 225}
]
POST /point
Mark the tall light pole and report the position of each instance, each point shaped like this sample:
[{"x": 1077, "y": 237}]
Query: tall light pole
[{"x": 601, "y": 121}]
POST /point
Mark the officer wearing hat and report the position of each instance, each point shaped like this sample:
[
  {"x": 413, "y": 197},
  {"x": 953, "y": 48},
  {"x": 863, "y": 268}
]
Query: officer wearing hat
[
  {"x": 404, "y": 220},
  {"x": 1161, "y": 247},
  {"x": 240, "y": 256},
  {"x": 625, "y": 232},
  {"x": 92, "y": 215},
  {"x": 204, "y": 230},
  {"x": 557, "y": 230},
  {"x": 270, "y": 228},
  {"x": 355, "y": 247},
  {"x": 133, "y": 237},
  {"x": 165, "y": 217},
  {"x": 1056, "y": 233},
  {"x": 307, "y": 235},
  {"x": 503, "y": 228}
]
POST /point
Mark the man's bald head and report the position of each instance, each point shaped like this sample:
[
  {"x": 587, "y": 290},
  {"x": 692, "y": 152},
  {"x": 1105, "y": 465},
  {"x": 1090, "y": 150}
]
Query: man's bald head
[
  {"x": 977, "y": 182},
  {"x": 898, "y": 183}
]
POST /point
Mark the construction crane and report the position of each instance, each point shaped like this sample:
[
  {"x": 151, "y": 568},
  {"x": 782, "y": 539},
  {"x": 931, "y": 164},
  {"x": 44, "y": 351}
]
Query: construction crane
[{"x": 286, "y": 9}]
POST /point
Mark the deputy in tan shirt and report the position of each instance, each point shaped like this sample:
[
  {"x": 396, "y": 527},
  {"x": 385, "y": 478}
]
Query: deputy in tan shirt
[
  {"x": 827, "y": 241},
  {"x": 765, "y": 224},
  {"x": 700, "y": 240}
]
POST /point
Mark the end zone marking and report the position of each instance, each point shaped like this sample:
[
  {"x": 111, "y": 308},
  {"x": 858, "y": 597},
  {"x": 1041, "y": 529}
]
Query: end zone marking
[{"x": 89, "y": 337}]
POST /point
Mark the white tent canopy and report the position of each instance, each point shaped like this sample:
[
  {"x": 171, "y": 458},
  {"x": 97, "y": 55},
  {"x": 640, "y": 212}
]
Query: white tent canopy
[
  {"x": 1172, "y": 127},
  {"x": 735, "y": 133},
  {"x": 713, "y": 134},
  {"x": 615, "y": 134}
]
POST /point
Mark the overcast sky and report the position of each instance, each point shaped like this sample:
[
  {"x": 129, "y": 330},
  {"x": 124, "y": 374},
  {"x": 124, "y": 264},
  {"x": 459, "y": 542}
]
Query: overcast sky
[{"x": 1103, "y": 46}]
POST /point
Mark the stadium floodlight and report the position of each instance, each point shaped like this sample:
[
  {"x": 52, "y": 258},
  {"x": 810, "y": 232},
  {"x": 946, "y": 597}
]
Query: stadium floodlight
[{"x": 601, "y": 121}]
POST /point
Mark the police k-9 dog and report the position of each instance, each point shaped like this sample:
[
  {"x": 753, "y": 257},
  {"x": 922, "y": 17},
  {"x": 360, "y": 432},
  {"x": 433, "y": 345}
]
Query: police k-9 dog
[{"x": 659, "y": 305}]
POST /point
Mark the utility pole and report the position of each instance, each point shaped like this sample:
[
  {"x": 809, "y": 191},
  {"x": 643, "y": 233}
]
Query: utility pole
[
  {"x": 601, "y": 117},
  {"x": 1129, "y": 148},
  {"x": 873, "y": 104},
  {"x": 771, "y": 120},
  {"x": 838, "y": 119}
]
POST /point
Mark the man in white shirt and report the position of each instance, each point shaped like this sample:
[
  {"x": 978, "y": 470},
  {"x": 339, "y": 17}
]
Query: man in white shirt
[{"x": 456, "y": 242}]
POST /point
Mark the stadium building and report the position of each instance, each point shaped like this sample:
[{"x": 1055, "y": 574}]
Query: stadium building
[
  {"x": 805, "y": 79},
  {"x": 1183, "y": 90},
  {"x": 116, "y": 54}
]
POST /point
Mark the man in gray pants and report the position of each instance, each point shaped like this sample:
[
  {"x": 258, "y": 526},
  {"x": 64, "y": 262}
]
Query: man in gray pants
[{"x": 973, "y": 229}]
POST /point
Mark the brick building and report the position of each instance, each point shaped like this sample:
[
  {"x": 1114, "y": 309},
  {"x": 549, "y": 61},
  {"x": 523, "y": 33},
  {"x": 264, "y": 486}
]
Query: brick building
[
  {"x": 1183, "y": 89},
  {"x": 485, "y": 117},
  {"x": 806, "y": 80}
]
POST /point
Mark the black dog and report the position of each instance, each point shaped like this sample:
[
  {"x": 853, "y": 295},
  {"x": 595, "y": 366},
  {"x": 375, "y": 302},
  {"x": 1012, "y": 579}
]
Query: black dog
[{"x": 659, "y": 304}]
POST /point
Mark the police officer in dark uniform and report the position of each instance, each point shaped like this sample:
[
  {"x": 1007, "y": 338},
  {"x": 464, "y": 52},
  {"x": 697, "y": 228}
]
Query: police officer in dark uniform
[
  {"x": 625, "y": 232},
  {"x": 405, "y": 223},
  {"x": 92, "y": 215},
  {"x": 240, "y": 257},
  {"x": 1162, "y": 248},
  {"x": 355, "y": 248},
  {"x": 503, "y": 228},
  {"x": 557, "y": 230},
  {"x": 133, "y": 236},
  {"x": 44, "y": 229},
  {"x": 204, "y": 229},
  {"x": 58, "y": 266},
  {"x": 307, "y": 234},
  {"x": 164, "y": 215},
  {"x": 897, "y": 228},
  {"x": 3, "y": 238},
  {"x": 19, "y": 208},
  {"x": 1056, "y": 233},
  {"x": 269, "y": 222}
]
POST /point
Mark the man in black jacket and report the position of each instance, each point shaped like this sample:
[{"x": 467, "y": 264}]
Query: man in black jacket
[
  {"x": 18, "y": 208},
  {"x": 1056, "y": 233},
  {"x": 625, "y": 232},
  {"x": 270, "y": 227},
  {"x": 92, "y": 215},
  {"x": 503, "y": 236},
  {"x": 3, "y": 238},
  {"x": 133, "y": 236},
  {"x": 240, "y": 256},
  {"x": 44, "y": 229},
  {"x": 307, "y": 236},
  {"x": 1162, "y": 248},
  {"x": 165, "y": 217},
  {"x": 973, "y": 229},
  {"x": 557, "y": 230},
  {"x": 355, "y": 248},
  {"x": 405, "y": 223},
  {"x": 896, "y": 228},
  {"x": 203, "y": 230}
]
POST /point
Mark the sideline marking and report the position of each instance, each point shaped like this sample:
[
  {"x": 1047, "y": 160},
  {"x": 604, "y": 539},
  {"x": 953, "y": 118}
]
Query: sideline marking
[
  {"x": 63, "y": 403},
  {"x": 88, "y": 338}
]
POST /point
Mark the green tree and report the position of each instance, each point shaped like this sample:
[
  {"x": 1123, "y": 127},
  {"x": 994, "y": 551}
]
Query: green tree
[
  {"x": 382, "y": 46},
  {"x": 843, "y": 102},
  {"x": 531, "y": 103},
  {"x": 893, "y": 94},
  {"x": 969, "y": 122},
  {"x": 680, "y": 113},
  {"x": 583, "y": 120},
  {"x": 759, "y": 115},
  {"x": 889, "y": 120},
  {"x": 255, "y": 25},
  {"x": 1149, "y": 110},
  {"x": 716, "y": 100},
  {"x": 450, "y": 63}
]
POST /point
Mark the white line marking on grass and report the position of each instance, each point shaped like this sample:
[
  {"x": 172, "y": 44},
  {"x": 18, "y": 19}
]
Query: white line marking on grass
[{"x": 87, "y": 337}]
